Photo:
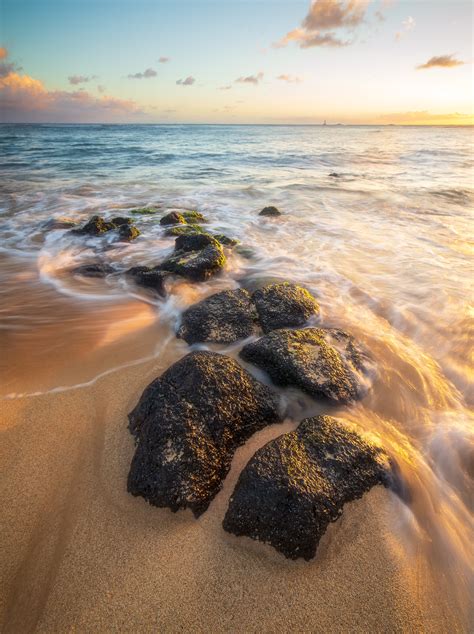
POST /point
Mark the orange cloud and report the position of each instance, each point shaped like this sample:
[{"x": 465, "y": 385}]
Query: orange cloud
[
  {"x": 326, "y": 15},
  {"x": 3, "y": 52},
  {"x": 25, "y": 99},
  {"x": 443, "y": 61},
  {"x": 291, "y": 79}
]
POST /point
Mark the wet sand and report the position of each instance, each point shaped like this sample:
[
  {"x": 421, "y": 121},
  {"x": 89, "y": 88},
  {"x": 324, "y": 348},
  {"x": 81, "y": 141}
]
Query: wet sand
[{"x": 80, "y": 554}]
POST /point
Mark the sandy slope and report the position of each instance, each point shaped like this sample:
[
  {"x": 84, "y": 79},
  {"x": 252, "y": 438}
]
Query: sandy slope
[{"x": 79, "y": 553}]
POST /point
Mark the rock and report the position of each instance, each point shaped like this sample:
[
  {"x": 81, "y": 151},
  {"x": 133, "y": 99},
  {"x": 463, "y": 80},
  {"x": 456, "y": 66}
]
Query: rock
[
  {"x": 121, "y": 220},
  {"x": 183, "y": 230},
  {"x": 188, "y": 423},
  {"x": 197, "y": 265},
  {"x": 221, "y": 318},
  {"x": 284, "y": 305},
  {"x": 194, "y": 242},
  {"x": 173, "y": 218},
  {"x": 225, "y": 240},
  {"x": 324, "y": 363},
  {"x": 144, "y": 211},
  {"x": 297, "y": 484},
  {"x": 59, "y": 223},
  {"x": 127, "y": 233},
  {"x": 97, "y": 269},
  {"x": 94, "y": 227},
  {"x": 147, "y": 277},
  {"x": 193, "y": 217},
  {"x": 270, "y": 211}
]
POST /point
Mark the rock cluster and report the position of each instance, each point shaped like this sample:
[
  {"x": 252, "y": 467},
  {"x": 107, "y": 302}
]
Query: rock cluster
[{"x": 97, "y": 226}]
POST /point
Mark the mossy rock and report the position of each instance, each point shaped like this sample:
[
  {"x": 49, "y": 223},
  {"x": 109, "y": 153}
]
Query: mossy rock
[
  {"x": 193, "y": 217},
  {"x": 198, "y": 265},
  {"x": 183, "y": 230},
  {"x": 225, "y": 240},
  {"x": 127, "y": 233},
  {"x": 145, "y": 211}
]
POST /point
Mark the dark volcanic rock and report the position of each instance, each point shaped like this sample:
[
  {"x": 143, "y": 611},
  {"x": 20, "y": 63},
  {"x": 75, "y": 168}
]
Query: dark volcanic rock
[
  {"x": 225, "y": 240},
  {"x": 188, "y": 423},
  {"x": 147, "y": 277},
  {"x": 270, "y": 211},
  {"x": 194, "y": 242},
  {"x": 284, "y": 306},
  {"x": 94, "y": 227},
  {"x": 193, "y": 217},
  {"x": 221, "y": 318},
  {"x": 297, "y": 484},
  {"x": 324, "y": 363},
  {"x": 127, "y": 233},
  {"x": 173, "y": 218},
  {"x": 98, "y": 269},
  {"x": 196, "y": 265},
  {"x": 118, "y": 221}
]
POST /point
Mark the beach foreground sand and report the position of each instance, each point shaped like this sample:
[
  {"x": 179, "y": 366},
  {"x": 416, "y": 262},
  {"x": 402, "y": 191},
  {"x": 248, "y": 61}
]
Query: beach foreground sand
[{"x": 80, "y": 554}]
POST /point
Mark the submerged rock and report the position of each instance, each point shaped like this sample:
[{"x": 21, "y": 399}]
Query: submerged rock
[
  {"x": 183, "y": 230},
  {"x": 144, "y": 211},
  {"x": 98, "y": 269},
  {"x": 188, "y": 424},
  {"x": 270, "y": 211},
  {"x": 297, "y": 484},
  {"x": 173, "y": 218},
  {"x": 324, "y": 363},
  {"x": 221, "y": 318},
  {"x": 193, "y": 217},
  {"x": 95, "y": 227},
  {"x": 118, "y": 221},
  {"x": 225, "y": 240},
  {"x": 59, "y": 223},
  {"x": 147, "y": 277},
  {"x": 284, "y": 305}
]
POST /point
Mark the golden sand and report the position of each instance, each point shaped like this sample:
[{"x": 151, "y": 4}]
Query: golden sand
[{"x": 80, "y": 554}]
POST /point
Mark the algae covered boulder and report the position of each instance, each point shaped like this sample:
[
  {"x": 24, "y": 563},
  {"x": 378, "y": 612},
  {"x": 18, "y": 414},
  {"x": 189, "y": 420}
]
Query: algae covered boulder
[
  {"x": 284, "y": 305},
  {"x": 173, "y": 218},
  {"x": 221, "y": 318},
  {"x": 182, "y": 230},
  {"x": 188, "y": 424},
  {"x": 323, "y": 362},
  {"x": 127, "y": 232},
  {"x": 270, "y": 211},
  {"x": 193, "y": 217},
  {"x": 151, "y": 278},
  {"x": 94, "y": 227},
  {"x": 297, "y": 484},
  {"x": 196, "y": 257}
]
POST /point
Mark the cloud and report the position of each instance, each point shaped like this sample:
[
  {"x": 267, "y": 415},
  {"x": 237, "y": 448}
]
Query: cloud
[
  {"x": 228, "y": 87},
  {"x": 423, "y": 117},
  {"x": 101, "y": 88},
  {"x": 442, "y": 61},
  {"x": 7, "y": 67},
  {"x": 3, "y": 52},
  {"x": 149, "y": 72},
  {"x": 80, "y": 79},
  {"x": 164, "y": 60},
  {"x": 250, "y": 79},
  {"x": 326, "y": 15},
  {"x": 25, "y": 99},
  {"x": 189, "y": 81},
  {"x": 291, "y": 79},
  {"x": 407, "y": 25}
]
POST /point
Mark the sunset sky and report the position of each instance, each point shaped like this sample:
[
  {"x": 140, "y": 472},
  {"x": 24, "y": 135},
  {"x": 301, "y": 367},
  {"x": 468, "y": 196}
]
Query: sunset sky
[{"x": 237, "y": 61}]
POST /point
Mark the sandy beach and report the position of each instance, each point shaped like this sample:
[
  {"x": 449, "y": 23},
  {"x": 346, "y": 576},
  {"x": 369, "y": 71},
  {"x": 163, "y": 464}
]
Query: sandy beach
[{"x": 80, "y": 554}]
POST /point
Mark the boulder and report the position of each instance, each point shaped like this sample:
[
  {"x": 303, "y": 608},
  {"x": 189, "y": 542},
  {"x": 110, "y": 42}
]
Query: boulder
[
  {"x": 221, "y": 318},
  {"x": 173, "y": 218},
  {"x": 147, "y": 277},
  {"x": 194, "y": 242},
  {"x": 144, "y": 211},
  {"x": 297, "y": 484},
  {"x": 188, "y": 424},
  {"x": 270, "y": 211},
  {"x": 284, "y": 305},
  {"x": 196, "y": 265},
  {"x": 225, "y": 240},
  {"x": 193, "y": 217},
  {"x": 118, "y": 221},
  {"x": 324, "y": 363},
  {"x": 94, "y": 227},
  {"x": 127, "y": 233},
  {"x": 98, "y": 269},
  {"x": 181, "y": 230}
]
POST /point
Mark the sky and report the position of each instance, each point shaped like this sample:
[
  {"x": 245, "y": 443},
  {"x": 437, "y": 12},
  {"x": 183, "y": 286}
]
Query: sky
[{"x": 237, "y": 61}]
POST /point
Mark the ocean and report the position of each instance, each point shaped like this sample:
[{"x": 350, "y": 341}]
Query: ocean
[{"x": 376, "y": 222}]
